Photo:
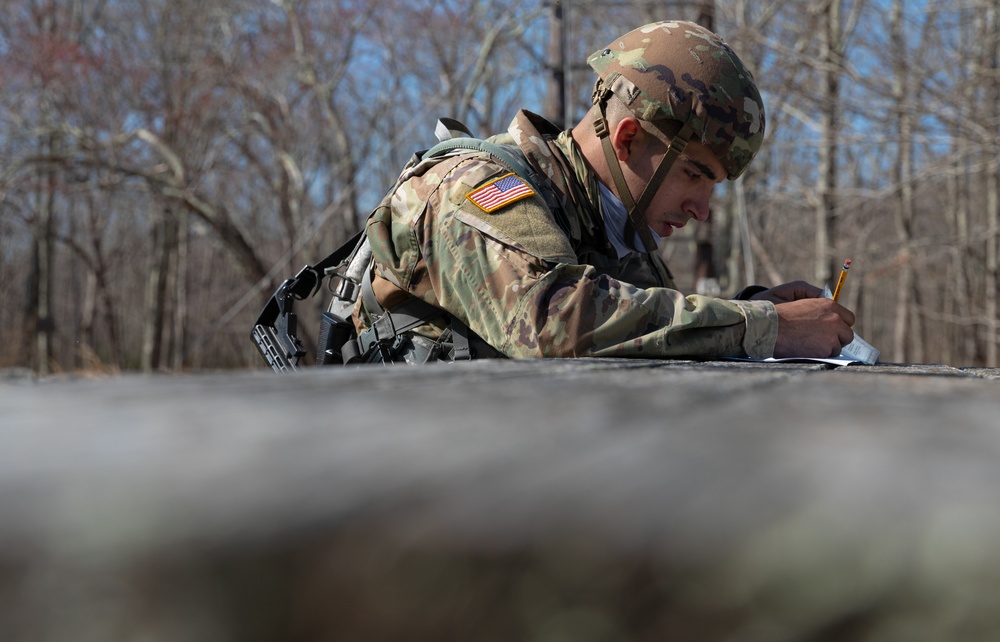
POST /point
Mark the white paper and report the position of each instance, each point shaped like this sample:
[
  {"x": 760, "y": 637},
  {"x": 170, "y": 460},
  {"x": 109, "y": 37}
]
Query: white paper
[{"x": 858, "y": 350}]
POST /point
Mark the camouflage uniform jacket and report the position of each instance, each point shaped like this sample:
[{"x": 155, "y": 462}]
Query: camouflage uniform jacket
[{"x": 540, "y": 281}]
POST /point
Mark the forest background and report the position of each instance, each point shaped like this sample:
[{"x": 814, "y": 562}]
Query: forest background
[{"x": 164, "y": 164}]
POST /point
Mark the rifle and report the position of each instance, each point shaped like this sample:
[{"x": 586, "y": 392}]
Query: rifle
[{"x": 275, "y": 331}]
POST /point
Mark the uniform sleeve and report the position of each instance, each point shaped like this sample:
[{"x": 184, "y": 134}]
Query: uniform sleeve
[
  {"x": 511, "y": 277},
  {"x": 646, "y": 271}
]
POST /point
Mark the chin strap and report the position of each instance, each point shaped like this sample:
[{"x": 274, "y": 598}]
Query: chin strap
[{"x": 636, "y": 222}]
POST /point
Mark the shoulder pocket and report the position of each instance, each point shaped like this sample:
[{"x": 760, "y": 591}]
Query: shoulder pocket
[{"x": 526, "y": 225}]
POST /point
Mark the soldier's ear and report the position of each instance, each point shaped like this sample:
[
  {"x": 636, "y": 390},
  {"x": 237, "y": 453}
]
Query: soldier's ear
[{"x": 623, "y": 138}]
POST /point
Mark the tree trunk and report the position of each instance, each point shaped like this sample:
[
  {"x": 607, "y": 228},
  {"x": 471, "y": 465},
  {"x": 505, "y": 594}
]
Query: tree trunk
[
  {"x": 555, "y": 101},
  {"x": 102, "y": 287},
  {"x": 992, "y": 184},
  {"x": 164, "y": 244},
  {"x": 990, "y": 294},
  {"x": 826, "y": 202},
  {"x": 88, "y": 314},
  {"x": 966, "y": 342},
  {"x": 41, "y": 298},
  {"x": 905, "y": 308},
  {"x": 951, "y": 350},
  {"x": 180, "y": 293},
  {"x": 706, "y": 276}
]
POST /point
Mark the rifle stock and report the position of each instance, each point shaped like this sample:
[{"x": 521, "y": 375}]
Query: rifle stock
[{"x": 274, "y": 333}]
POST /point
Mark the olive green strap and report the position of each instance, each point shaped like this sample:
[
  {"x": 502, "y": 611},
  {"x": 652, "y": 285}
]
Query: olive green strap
[
  {"x": 674, "y": 150},
  {"x": 636, "y": 223}
]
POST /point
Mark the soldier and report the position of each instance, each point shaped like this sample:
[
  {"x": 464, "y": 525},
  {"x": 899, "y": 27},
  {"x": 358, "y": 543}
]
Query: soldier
[{"x": 564, "y": 264}]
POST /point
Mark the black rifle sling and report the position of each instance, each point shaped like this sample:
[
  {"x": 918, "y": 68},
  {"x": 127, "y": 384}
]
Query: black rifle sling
[{"x": 307, "y": 281}]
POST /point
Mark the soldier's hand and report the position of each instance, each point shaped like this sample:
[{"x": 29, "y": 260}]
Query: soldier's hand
[
  {"x": 787, "y": 292},
  {"x": 812, "y": 327}
]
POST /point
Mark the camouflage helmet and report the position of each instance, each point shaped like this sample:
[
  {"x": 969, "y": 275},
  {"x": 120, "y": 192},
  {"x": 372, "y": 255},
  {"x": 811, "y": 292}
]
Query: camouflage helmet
[{"x": 680, "y": 71}]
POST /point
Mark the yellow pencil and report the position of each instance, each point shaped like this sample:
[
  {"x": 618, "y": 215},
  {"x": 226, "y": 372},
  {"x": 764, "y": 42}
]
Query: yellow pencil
[{"x": 840, "y": 281}]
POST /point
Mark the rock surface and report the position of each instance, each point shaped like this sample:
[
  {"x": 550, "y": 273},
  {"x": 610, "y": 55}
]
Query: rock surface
[{"x": 531, "y": 500}]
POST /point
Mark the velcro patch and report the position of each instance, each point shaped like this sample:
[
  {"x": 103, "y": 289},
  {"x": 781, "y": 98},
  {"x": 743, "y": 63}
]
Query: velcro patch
[{"x": 500, "y": 192}]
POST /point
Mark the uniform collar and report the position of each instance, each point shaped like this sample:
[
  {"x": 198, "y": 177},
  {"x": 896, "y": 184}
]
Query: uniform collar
[{"x": 615, "y": 217}]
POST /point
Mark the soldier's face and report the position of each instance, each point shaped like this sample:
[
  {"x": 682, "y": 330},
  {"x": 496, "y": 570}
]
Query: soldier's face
[{"x": 686, "y": 191}]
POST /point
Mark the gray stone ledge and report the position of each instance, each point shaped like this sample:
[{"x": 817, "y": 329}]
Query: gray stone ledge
[{"x": 575, "y": 499}]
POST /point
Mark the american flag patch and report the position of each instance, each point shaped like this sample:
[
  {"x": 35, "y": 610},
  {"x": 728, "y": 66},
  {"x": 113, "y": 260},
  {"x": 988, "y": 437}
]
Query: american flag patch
[{"x": 500, "y": 192}]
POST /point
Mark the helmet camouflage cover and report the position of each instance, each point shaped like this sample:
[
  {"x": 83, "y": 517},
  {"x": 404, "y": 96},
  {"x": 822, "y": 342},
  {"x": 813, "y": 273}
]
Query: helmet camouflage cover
[{"x": 680, "y": 71}]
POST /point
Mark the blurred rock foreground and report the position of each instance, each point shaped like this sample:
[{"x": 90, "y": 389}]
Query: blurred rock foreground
[{"x": 564, "y": 500}]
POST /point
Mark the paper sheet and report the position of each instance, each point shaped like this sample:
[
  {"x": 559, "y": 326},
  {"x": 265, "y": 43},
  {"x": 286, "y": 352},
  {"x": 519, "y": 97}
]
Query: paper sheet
[{"x": 858, "y": 350}]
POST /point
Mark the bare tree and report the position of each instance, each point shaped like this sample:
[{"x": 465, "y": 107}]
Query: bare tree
[
  {"x": 901, "y": 93},
  {"x": 991, "y": 108},
  {"x": 168, "y": 162},
  {"x": 834, "y": 30}
]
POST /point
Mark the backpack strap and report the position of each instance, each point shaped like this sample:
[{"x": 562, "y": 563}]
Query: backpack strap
[
  {"x": 450, "y": 128},
  {"x": 515, "y": 161},
  {"x": 512, "y": 157},
  {"x": 384, "y": 333}
]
